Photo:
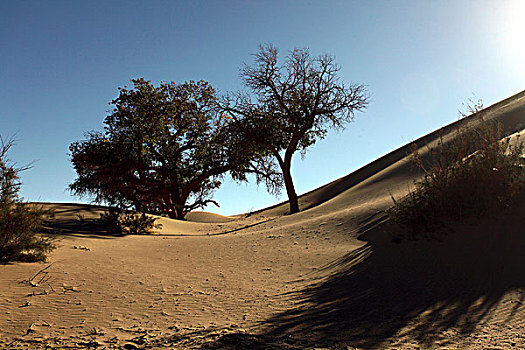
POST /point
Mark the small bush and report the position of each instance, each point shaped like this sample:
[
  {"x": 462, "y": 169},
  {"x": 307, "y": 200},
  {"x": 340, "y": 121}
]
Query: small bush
[
  {"x": 118, "y": 221},
  {"x": 19, "y": 222},
  {"x": 477, "y": 173}
]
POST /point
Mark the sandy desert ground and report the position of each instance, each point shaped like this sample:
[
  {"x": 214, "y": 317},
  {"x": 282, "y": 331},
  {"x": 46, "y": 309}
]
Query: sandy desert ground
[{"x": 327, "y": 277}]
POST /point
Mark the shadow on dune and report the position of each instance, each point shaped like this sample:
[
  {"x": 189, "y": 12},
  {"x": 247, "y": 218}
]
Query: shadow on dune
[
  {"x": 78, "y": 228},
  {"x": 383, "y": 289},
  {"x": 76, "y": 220},
  {"x": 425, "y": 287}
]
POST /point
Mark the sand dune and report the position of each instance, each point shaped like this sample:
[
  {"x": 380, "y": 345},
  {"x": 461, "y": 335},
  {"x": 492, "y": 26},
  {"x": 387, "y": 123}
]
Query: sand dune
[{"x": 325, "y": 277}]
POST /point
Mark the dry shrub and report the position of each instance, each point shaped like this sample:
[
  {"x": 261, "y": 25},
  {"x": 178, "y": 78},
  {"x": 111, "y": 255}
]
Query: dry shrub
[
  {"x": 478, "y": 173},
  {"x": 19, "y": 222},
  {"x": 119, "y": 221}
]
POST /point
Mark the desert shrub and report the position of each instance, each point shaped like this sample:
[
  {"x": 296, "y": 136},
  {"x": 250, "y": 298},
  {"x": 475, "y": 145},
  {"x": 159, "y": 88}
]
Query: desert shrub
[
  {"x": 477, "y": 173},
  {"x": 119, "y": 221},
  {"x": 19, "y": 221}
]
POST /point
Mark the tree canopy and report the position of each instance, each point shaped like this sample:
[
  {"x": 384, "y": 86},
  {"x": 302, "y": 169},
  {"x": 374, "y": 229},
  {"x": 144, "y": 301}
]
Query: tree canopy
[
  {"x": 291, "y": 106},
  {"x": 163, "y": 150}
]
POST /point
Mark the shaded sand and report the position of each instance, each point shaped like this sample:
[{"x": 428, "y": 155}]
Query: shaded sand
[{"x": 327, "y": 277}]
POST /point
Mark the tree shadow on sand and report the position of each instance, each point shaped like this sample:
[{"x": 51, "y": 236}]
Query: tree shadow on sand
[
  {"x": 78, "y": 228},
  {"x": 423, "y": 289},
  {"x": 78, "y": 221}
]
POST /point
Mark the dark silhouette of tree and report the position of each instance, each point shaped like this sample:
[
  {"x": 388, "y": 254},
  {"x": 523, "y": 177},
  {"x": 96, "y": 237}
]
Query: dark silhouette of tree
[
  {"x": 291, "y": 106},
  {"x": 163, "y": 150}
]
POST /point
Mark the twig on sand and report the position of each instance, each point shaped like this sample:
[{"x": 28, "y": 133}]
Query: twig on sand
[
  {"x": 130, "y": 330},
  {"x": 39, "y": 272},
  {"x": 31, "y": 281}
]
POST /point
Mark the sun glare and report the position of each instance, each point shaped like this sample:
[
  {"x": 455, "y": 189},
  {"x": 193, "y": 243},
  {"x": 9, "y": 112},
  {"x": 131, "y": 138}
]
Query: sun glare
[{"x": 514, "y": 36}]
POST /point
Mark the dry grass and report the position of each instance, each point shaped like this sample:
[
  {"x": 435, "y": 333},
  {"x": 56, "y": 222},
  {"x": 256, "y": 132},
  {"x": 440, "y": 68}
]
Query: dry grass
[{"x": 478, "y": 173}]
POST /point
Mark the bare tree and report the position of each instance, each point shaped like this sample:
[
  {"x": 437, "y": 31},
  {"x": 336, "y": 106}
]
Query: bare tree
[{"x": 291, "y": 106}]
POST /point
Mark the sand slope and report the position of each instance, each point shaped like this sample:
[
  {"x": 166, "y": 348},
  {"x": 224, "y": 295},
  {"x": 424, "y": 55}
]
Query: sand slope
[{"x": 325, "y": 277}]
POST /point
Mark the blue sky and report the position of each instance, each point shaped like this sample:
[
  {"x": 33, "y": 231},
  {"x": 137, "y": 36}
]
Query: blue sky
[{"x": 61, "y": 62}]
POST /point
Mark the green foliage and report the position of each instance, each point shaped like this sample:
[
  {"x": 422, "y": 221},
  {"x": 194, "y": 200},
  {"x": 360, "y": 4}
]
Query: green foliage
[
  {"x": 19, "y": 222},
  {"x": 164, "y": 150},
  {"x": 118, "y": 221},
  {"x": 295, "y": 104},
  {"x": 477, "y": 173}
]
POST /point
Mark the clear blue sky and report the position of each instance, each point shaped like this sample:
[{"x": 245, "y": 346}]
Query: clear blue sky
[{"x": 61, "y": 62}]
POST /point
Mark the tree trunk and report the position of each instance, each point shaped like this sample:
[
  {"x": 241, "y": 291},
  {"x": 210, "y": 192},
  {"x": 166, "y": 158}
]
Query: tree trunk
[
  {"x": 179, "y": 209},
  {"x": 176, "y": 212},
  {"x": 290, "y": 189}
]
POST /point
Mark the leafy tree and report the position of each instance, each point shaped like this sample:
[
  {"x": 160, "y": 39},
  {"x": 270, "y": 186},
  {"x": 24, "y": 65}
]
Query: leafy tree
[
  {"x": 163, "y": 150},
  {"x": 19, "y": 221},
  {"x": 291, "y": 107}
]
